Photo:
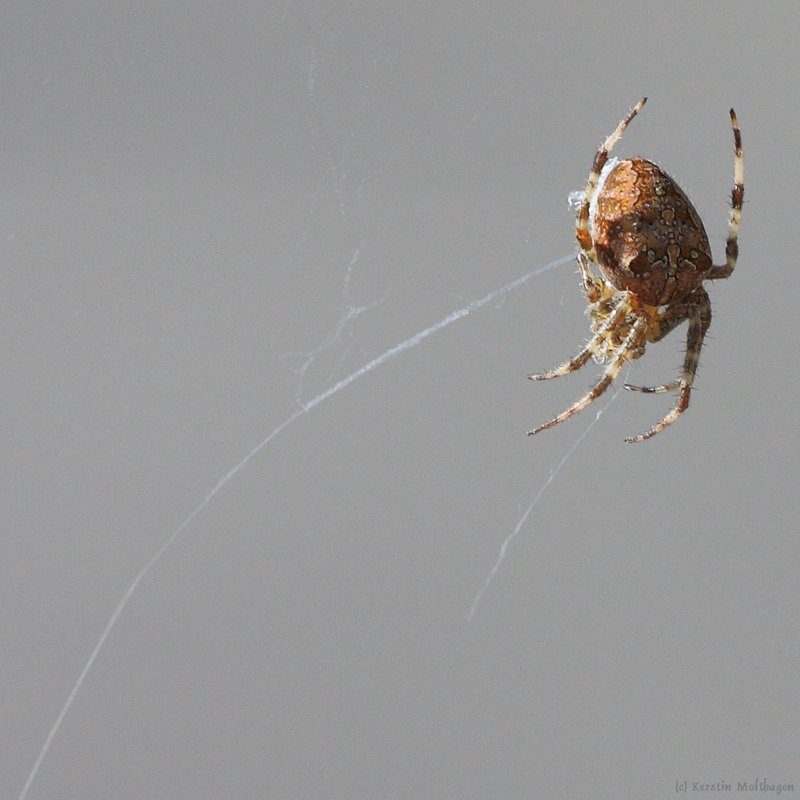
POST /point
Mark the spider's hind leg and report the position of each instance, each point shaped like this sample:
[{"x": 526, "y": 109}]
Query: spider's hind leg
[
  {"x": 699, "y": 315},
  {"x": 664, "y": 324}
]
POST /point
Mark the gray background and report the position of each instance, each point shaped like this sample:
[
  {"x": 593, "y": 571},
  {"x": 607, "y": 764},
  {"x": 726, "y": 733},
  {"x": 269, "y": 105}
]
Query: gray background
[{"x": 211, "y": 212}]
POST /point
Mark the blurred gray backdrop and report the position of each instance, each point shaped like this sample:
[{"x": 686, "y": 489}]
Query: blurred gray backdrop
[{"x": 211, "y": 213}]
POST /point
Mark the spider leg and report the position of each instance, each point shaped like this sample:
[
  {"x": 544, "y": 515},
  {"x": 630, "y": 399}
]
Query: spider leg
[
  {"x": 737, "y": 198},
  {"x": 667, "y": 322},
  {"x": 619, "y": 313},
  {"x": 592, "y": 285},
  {"x": 634, "y": 339},
  {"x": 582, "y": 224},
  {"x": 665, "y": 387},
  {"x": 699, "y": 322},
  {"x": 677, "y": 315}
]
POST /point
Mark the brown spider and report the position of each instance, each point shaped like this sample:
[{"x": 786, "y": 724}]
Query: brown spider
[{"x": 641, "y": 231}]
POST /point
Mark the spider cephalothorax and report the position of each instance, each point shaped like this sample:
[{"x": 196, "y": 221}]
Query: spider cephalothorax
[{"x": 639, "y": 229}]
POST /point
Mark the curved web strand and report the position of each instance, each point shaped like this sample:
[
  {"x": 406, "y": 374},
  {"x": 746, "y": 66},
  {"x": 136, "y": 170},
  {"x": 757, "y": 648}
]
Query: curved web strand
[
  {"x": 536, "y": 498},
  {"x": 407, "y": 344}
]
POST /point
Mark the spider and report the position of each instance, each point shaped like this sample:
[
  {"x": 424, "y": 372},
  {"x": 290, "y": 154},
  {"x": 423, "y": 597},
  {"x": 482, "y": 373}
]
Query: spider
[{"x": 639, "y": 229}]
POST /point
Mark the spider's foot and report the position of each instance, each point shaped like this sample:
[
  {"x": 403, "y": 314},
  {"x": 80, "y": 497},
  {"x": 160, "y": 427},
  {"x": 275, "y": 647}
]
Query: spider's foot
[
  {"x": 545, "y": 426},
  {"x": 641, "y": 437},
  {"x": 668, "y": 420},
  {"x": 543, "y": 376}
]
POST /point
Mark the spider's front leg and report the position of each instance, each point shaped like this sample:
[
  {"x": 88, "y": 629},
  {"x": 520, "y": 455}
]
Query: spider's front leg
[
  {"x": 592, "y": 348},
  {"x": 697, "y": 309},
  {"x": 632, "y": 342},
  {"x": 737, "y": 199}
]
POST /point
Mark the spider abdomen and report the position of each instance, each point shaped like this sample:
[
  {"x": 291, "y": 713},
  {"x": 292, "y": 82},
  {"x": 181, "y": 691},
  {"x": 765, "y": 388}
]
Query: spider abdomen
[{"x": 648, "y": 238}]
